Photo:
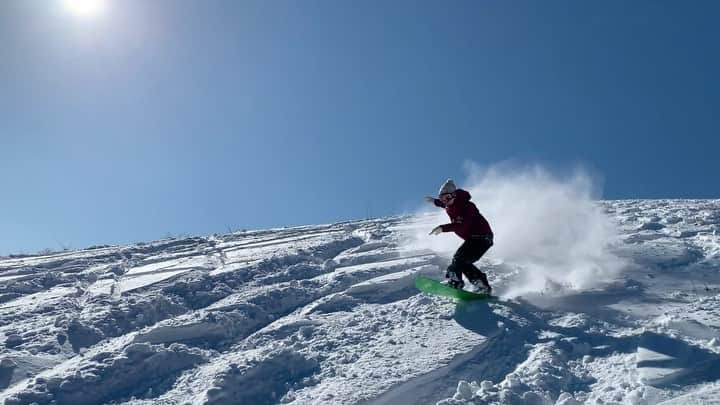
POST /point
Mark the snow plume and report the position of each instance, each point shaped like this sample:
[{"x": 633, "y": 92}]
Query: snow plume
[{"x": 548, "y": 227}]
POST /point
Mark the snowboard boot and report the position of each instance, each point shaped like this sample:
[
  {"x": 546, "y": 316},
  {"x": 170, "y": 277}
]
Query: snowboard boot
[
  {"x": 479, "y": 287},
  {"x": 454, "y": 281}
]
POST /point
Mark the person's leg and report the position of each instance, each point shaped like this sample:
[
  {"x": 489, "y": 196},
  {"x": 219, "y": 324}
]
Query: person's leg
[
  {"x": 455, "y": 269},
  {"x": 476, "y": 249},
  {"x": 474, "y": 274}
]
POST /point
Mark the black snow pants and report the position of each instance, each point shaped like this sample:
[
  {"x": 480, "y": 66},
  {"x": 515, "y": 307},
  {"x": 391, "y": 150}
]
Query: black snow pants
[{"x": 468, "y": 253}]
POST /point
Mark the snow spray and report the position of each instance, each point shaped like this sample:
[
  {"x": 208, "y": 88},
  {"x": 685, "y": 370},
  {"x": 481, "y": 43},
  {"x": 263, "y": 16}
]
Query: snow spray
[{"x": 549, "y": 227}]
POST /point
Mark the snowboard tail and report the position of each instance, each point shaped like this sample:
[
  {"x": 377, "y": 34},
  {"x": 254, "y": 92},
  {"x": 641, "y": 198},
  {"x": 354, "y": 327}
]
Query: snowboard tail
[{"x": 435, "y": 287}]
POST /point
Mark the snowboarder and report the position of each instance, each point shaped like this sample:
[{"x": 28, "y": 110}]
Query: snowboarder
[{"x": 473, "y": 228}]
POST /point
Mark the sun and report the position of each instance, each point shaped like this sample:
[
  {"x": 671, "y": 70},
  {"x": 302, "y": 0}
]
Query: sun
[{"x": 85, "y": 8}]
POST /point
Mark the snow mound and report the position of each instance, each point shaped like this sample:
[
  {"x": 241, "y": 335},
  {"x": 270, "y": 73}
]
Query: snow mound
[
  {"x": 263, "y": 381},
  {"x": 139, "y": 369}
]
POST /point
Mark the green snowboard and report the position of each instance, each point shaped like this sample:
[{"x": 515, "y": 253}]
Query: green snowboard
[{"x": 431, "y": 286}]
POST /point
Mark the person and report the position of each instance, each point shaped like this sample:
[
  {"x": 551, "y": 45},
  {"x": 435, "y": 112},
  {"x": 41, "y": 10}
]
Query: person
[{"x": 467, "y": 222}]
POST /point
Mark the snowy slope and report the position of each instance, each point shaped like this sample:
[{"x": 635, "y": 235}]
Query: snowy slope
[{"x": 329, "y": 314}]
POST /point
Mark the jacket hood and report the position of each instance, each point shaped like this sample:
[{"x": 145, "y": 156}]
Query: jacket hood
[{"x": 463, "y": 195}]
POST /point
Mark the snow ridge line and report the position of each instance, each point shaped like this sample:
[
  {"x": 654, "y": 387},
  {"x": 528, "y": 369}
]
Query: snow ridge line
[{"x": 346, "y": 281}]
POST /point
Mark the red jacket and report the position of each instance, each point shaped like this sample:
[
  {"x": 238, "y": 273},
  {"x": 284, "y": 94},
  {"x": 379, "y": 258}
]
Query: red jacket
[{"x": 466, "y": 220}]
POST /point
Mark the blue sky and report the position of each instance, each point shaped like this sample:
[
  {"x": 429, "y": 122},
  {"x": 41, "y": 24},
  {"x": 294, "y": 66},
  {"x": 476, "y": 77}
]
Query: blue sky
[{"x": 172, "y": 117}]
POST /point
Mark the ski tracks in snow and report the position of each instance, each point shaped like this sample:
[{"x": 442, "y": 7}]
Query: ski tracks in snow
[
  {"x": 329, "y": 314},
  {"x": 205, "y": 299}
]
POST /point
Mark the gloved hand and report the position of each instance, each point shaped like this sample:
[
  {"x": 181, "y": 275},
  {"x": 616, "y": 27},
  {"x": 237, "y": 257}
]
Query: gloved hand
[
  {"x": 437, "y": 230},
  {"x": 431, "y": 200}
]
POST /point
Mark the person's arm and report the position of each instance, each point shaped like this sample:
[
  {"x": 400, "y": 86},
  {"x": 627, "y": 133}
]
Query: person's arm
[
  {"x": 461, "y": 223},
  {"x": 453, "y": 227},
  {"x": 435, "y": 201}
]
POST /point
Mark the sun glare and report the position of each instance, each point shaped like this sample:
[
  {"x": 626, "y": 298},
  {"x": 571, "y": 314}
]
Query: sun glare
[{"x": 85, "y": 8}]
